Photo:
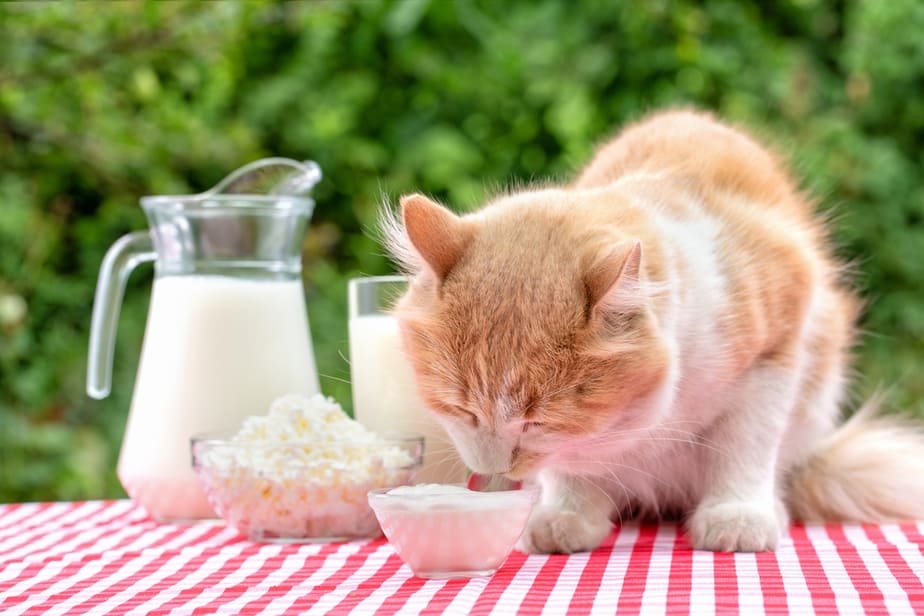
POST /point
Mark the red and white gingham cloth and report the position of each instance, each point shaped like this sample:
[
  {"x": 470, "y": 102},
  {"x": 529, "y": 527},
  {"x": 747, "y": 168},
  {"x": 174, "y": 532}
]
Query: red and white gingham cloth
[{"x": 109, "y": 557}]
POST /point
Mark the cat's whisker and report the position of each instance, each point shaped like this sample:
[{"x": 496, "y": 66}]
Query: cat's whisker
[
  {"x": 335, "y": 378},
  {"x": 610, "y": 466},
  {"x": 443, "y": 451},
  {"x": 686, "y": 441},
  {"x": 609, "y": 474},
  {"x": 579, "y": 495},
  {"x": 658, "y": 434},
  {"x": 628, "y": 497}
]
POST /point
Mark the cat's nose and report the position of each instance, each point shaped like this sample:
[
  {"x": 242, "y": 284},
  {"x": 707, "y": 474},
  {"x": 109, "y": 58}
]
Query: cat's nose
[
  {"x": 487, "y": 462},
  {"x": 493, "y": 467},
  {"x": 492, "y": 456}
]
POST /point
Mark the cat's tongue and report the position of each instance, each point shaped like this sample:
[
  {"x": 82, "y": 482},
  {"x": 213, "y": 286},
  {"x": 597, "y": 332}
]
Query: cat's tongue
[{"x": 491, "y": 483}]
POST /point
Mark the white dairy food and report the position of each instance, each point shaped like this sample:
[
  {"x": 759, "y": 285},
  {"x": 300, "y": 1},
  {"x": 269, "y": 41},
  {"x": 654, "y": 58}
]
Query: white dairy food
[
  {"x": 444, "y": 531},
  {"x": 432, "y": 496},
  {"x": 216, "y": 349},
  {"x": 332, "y": 447},
  {"x": 301, "y": 471},
  {"x": 429, "y": 489},
  {"x": 385, "y": 395}
]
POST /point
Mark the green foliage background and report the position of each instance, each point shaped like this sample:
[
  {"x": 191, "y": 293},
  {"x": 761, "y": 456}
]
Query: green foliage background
[{"x": 101, "y": 103}]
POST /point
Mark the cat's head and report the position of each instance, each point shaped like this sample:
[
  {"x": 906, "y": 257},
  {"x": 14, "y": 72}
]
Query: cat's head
[{"x": 529, "y": 327}]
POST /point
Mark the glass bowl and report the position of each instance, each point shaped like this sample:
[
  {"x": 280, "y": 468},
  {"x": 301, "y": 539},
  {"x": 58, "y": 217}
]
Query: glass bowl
[
  {"x": 452, "y": 535},
  {"x": 301, "y": 491}
]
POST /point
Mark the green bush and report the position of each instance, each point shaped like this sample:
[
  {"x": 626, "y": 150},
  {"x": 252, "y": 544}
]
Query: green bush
[{"x": 101, "y": 103}]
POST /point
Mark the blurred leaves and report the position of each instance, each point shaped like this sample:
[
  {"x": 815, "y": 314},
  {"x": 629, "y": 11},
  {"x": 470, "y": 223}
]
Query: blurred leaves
[{"x": 101, "y": 103}]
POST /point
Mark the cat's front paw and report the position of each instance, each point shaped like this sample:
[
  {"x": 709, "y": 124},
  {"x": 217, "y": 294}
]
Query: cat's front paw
[
  {"x": 735, "y": 526},
  {"x": 552, "y": 531}
]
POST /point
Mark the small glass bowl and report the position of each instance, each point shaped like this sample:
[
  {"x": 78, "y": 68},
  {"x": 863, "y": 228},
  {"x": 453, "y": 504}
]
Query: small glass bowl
[
  {"x": 301, "y": 492},
  {"x": 453, "y": 535}
]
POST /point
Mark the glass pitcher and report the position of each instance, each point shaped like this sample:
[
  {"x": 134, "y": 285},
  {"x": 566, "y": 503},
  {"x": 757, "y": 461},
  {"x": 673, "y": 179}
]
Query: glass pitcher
[{"x": 227, "y": 327}]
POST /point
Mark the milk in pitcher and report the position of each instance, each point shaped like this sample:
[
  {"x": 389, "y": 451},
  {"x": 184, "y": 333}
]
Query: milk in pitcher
[{"x": 206, "y": 365}]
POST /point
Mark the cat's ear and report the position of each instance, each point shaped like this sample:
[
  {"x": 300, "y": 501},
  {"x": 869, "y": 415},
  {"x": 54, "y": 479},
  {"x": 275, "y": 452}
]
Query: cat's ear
[
  {"x": 438, "y": 235},
  {"x": 613, "y": 280}
]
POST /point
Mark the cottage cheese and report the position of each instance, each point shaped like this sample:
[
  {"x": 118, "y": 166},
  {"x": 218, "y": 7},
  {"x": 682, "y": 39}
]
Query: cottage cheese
[{"x": 302, "y": 471}]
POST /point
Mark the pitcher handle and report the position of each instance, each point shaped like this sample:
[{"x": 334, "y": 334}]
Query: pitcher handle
[{"x": 121, "y": 258}]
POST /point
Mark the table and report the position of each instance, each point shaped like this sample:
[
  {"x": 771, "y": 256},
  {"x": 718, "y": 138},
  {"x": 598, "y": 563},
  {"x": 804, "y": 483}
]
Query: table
[{"x": 101, "y": 557}]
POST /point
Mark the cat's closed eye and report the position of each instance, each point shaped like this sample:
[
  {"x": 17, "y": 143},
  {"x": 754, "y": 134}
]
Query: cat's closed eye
[
  {"x": 460, "y": 413},
  {"x": 531, "y": 425}
]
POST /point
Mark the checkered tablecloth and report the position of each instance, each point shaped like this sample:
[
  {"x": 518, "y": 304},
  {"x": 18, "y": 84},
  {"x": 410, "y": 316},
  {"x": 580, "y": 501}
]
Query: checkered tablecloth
[{"x": 109, "y": 557}]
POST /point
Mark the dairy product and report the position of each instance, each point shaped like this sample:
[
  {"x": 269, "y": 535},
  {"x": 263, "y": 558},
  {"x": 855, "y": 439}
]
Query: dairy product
[
  {"x": 216, "y": 349},
  {"x": 443, "y": 531},
  {"x": 429, "y": 489},
  {"x": 385, "y": 396},
  {"x": 313, "y": 439},
  {"x": 301, "y": 472}
]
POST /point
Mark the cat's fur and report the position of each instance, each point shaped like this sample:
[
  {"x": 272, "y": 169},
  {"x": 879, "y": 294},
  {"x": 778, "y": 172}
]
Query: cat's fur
[{"x": 669, "y": 334}]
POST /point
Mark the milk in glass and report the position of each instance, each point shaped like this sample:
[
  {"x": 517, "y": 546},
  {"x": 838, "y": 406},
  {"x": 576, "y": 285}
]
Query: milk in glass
[{"x": 385, "y": 397}]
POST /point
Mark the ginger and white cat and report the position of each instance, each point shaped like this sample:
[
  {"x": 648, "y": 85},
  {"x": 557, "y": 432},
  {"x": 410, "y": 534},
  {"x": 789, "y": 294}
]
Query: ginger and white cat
[{"x": 669, "y": 334}]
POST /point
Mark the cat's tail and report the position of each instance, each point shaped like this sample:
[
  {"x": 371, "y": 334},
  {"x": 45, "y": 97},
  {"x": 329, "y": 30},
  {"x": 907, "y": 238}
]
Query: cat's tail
[{"x": 870, "y": 469}]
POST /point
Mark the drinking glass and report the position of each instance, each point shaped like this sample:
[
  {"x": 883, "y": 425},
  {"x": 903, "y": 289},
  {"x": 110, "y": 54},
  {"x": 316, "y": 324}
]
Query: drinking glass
[{"x": 385, "y": 397}]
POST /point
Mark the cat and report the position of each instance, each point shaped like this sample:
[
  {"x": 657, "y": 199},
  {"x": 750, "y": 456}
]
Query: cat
[{"x": 669, "y": 334}]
